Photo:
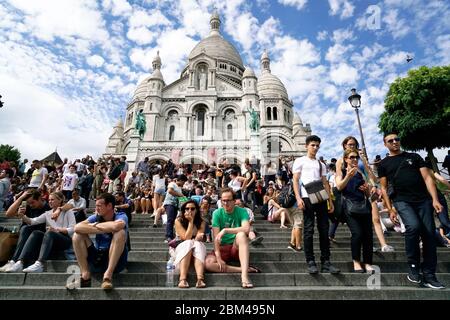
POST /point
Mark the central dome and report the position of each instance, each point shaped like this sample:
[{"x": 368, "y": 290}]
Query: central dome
[{"x": 217, "y": 47}]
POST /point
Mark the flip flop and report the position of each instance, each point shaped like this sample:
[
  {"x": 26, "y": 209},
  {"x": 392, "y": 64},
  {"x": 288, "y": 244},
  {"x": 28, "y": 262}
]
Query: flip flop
[
  {"x": 247, "y": 285},
  {"x": 255, "y": 269}
]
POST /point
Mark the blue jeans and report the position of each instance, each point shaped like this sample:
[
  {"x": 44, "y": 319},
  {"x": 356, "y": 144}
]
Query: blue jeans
[
  {"x": 443, "y": 215},
  {"x": 171, "y": 212},
  {"x": 419, "y": 222}
]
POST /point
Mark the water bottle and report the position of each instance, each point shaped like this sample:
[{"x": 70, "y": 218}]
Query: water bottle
[
  {"x": 14, "y": 230},
  {"x": 170, "y": 273}
]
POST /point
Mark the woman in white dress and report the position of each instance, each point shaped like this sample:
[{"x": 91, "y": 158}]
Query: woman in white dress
[{"x": 190, "y": 228}]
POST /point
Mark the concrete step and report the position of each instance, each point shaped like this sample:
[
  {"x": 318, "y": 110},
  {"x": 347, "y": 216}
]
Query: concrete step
[
  {"x": 218, "y": 280},
  {"x": 226, "y": 293},
  {"x": 291, "y": 266}
]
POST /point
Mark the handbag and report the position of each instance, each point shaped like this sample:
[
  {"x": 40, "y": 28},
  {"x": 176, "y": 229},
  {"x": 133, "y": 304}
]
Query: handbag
[
  {"x": 174, "y": 243},
  {"x": 8, "y": 241},
  {"x": 357, "y": 207},
  {"x": 316, "y": 190}
]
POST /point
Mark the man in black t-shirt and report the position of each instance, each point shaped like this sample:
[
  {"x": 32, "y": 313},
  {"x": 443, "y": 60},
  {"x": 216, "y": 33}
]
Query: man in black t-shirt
[
  {"x": 35, "y": 206},
  {"x": 250, "y": 184},
  {"x": 412, "y": 186}
]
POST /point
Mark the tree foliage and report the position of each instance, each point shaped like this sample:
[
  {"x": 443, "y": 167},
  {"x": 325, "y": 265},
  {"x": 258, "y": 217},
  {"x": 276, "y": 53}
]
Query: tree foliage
[
  {"x": 418, "y": 108},
  {"x": 9, "y": 153}
]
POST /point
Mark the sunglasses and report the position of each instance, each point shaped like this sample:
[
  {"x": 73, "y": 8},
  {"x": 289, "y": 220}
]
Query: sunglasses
[
  {"x": 189, "y": 209},
  {"x": 353, "y": 157},
  {"x": 392, "y": 140}
]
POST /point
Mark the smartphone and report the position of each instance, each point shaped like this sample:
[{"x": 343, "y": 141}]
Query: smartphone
[
  {"x": 374, "y": 197},
  {"x": 23, "y": 204}
]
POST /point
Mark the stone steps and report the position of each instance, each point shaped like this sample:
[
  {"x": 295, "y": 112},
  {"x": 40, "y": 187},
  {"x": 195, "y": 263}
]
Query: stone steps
[
  {"x": 266, "y": 294},
  {"x": 154, "y": 280}
]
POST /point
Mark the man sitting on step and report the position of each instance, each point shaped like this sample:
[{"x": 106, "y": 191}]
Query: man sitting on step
[
  {"x": 110, "y": 252},
  {"x": 230, "y": 226}
]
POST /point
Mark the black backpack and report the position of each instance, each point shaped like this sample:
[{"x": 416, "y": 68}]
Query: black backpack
[{"x": 286, "y": 198}]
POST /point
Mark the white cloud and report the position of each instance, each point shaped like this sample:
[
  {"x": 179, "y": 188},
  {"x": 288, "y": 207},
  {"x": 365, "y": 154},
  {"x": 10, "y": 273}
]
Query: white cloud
[
  {"x": 47, "y": 19},
  {"x": 343, "y": 74},
  {"x": 118, "y": 7},
  {"x": 337, "y": 53},
  {"x": 95, "y": 61},
  {"x": 268, "y": 30},
  {"x": 443, "y": 45},
  {"x": 396, "y": 25},
  {"x": 141, "y": 35},
  {"x": 343, "y": 7},
  {"x": 299, "y": 4},
  {"x": 57, "y": 122},
  {"x": 322, "y": 35},
  {"x": 342, "y": 35}
]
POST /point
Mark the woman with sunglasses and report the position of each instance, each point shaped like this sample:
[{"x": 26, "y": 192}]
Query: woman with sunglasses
[
  {"x": 356, "y": 190},
  {"x": 351, "y": 143},
  {"x": 190, "y": 228}
]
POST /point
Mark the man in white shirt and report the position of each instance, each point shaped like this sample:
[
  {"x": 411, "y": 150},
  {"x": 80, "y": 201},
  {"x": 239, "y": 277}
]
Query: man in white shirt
[
  {"x": 306, "y": 169},
  {"x": 39, "y": 175}
]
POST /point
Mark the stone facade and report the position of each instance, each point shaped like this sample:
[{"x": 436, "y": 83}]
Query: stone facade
[{"x": 204, "y": 115}]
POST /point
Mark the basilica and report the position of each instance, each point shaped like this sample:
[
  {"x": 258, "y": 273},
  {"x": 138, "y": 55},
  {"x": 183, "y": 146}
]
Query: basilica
[{"x": 218, "y": 109}]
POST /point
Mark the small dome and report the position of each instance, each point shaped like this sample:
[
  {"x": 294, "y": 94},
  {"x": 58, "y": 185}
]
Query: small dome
[
  {"x": 271, "y": 86},
  {"x": 119, "y": 123},
  {"x": 265, "y": 55},
  {"x": 248, "y": 73},
  {"x": 141, "y": 90},
  {"x": 297, "y": 120},
  {"x": 157, "y": 58},
  {"x": 156, "y": 75}
]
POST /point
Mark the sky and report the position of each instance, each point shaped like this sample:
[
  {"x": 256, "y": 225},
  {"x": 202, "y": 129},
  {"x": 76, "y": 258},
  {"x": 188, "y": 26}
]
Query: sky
[{"x": 68, "y": 68}]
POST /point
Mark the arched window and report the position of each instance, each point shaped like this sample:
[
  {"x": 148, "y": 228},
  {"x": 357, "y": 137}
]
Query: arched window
[
  {"x": 275, "y": 113},
  {"x": 229, "y": 132},
  {"x": 289, "y": 116},
  {"x": 201, "y": 122},
  {"x": 171, "y": 133},
  {"x": 151, "y": 106},
  {"x": 268, "y": 114},
  {"x": 285, "y": 116}
]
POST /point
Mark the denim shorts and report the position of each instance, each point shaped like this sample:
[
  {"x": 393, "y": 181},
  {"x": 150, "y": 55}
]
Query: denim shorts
[{"x": 98, "y": 260}]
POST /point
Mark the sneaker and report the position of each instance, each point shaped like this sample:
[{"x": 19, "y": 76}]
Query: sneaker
[
  {"x": 8, "y": 265},
  {"x": 16, "y": 267},
  {"x": 256, "y": 241},
  {"x": 36, "y": 267},
  {"x": 312, "y": 267},
  {"x": 430, "y": 281},
  {"x": 387, "y": 248},
  {"x": 414, "y": 274},
  {"x": 328, "y": 267},
  {"x": 294, "y": 248}
]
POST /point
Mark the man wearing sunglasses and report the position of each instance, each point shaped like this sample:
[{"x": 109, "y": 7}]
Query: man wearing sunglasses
[{"x": 413, "y": 196}]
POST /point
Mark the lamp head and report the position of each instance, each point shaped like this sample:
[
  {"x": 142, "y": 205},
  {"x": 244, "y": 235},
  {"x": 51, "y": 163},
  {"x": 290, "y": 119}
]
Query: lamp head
[{"x": 355, "y": 99}]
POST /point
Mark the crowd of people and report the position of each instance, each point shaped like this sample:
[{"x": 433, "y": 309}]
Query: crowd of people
[{"x": 217, "y": 203}]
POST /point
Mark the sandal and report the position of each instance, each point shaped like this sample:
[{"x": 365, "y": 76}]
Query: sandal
[
  {"x": 247, "y": 285},
  {"x": 107, "y": 284},
  {"x": 253, "y": 269},
  {"x": 183, "y": 284},
  {"x": 200, "y": 283}
]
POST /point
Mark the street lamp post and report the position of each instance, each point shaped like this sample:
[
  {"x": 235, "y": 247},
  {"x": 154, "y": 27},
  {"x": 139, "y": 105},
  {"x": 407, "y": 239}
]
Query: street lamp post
[{"x": 355, "y": 102}]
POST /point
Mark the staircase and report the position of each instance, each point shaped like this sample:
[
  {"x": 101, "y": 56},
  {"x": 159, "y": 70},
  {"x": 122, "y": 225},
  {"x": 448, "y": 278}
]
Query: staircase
[{"x": 283, "y": 276}]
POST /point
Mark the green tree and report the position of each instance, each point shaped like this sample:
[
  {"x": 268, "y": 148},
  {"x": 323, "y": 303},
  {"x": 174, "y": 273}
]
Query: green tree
[
  {"x": 418, "y": 108},
  {"x": 9, "y": 153}
]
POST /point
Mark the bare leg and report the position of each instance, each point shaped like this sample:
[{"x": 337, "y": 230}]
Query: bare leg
[
  {"x": 298, "y": 237},
  {"x": 143, "y": 206},
  {"x": 377, "y": 224},
  {"x": 115, "y": 251},
  {"x": 211, "y": 265},
  {"x": 184, "y": 265},
  {"x": 244, "y": 255},
  {"x": 200, "y": 271},
  {"x": 81, "y": 243}
]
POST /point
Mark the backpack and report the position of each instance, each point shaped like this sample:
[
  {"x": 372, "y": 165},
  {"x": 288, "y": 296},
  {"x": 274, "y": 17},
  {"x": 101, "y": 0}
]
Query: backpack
[
  {"x": 265, "y": 210},
  {"x": 286, "y": 198}
]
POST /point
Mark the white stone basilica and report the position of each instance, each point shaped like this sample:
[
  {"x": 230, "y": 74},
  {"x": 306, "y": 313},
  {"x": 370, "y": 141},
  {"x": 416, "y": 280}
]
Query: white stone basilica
[{"x": 204, "y": 115}]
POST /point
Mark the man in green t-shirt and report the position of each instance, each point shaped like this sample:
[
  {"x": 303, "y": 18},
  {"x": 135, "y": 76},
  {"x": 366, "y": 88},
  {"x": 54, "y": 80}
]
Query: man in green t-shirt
[{"x": 230, "y": 225}]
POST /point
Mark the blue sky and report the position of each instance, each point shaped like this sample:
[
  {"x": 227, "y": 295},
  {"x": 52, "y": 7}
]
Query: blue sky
[{"x": 68, "y": 68}]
